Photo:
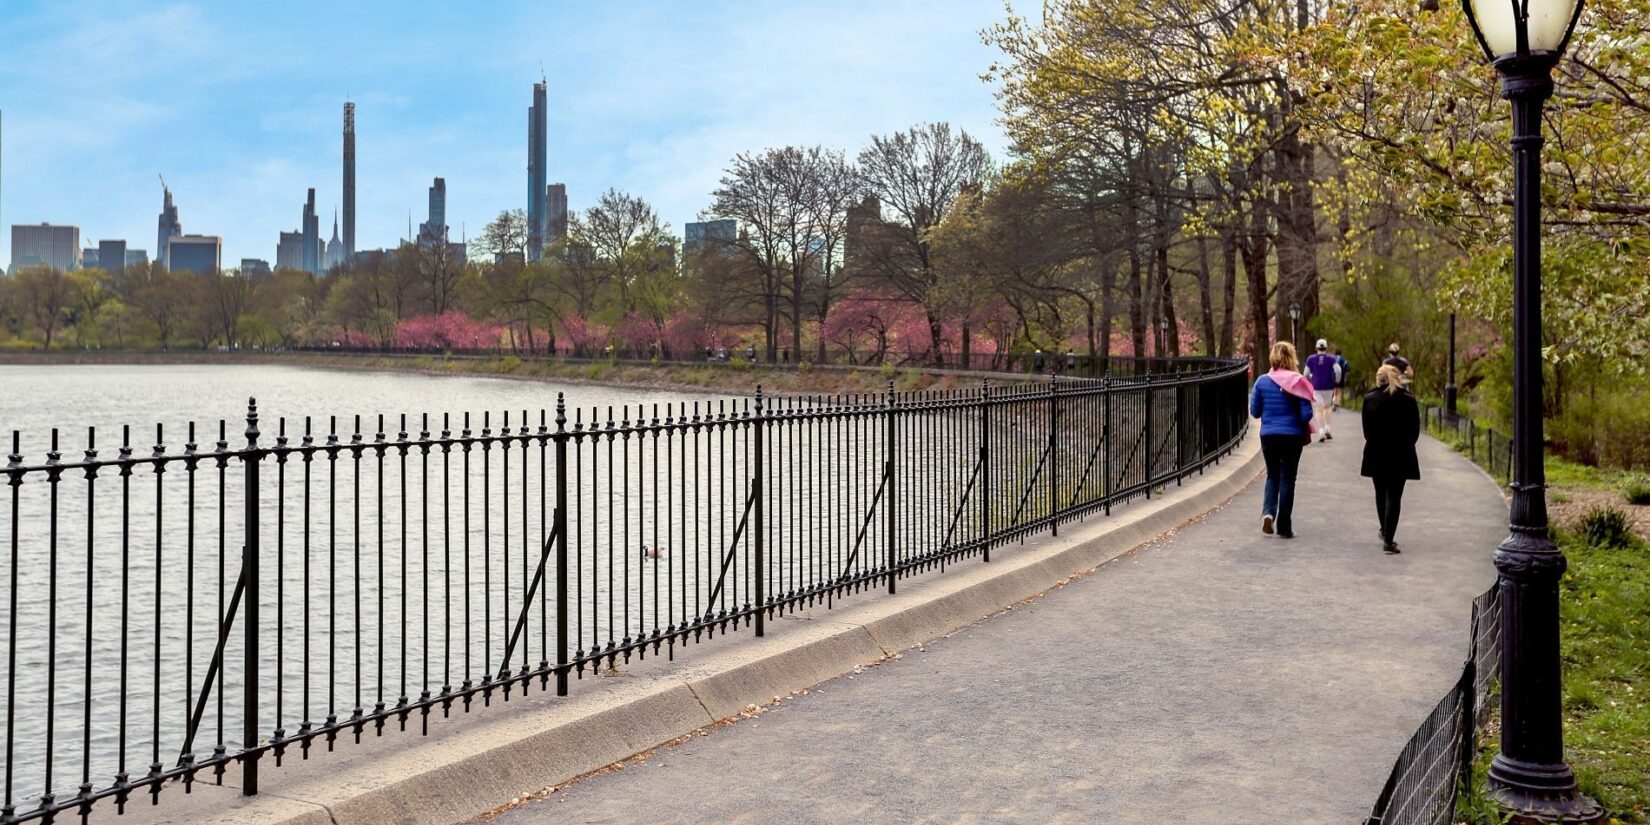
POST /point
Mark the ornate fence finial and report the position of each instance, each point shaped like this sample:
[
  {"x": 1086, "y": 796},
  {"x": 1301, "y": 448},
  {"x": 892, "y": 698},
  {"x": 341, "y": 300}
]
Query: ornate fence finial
[{"x": 251, "y": 422}]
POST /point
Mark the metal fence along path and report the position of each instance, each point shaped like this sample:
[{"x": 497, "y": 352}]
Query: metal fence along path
[{"x": 176, "y": 610}]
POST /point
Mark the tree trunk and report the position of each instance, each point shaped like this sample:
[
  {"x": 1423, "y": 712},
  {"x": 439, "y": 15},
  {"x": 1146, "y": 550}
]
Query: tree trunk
[
  {"x": 1228, "y": 307},
  {"x": 1205, "y": 296},
  {"x": 1254, "y": 252}
]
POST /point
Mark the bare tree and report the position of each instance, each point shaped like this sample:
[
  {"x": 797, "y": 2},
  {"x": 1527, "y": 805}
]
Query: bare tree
[
  {"x": 626, "y": 238},
  {"x": 792, "y": 208},
  {"x": 916, "y": 176}
]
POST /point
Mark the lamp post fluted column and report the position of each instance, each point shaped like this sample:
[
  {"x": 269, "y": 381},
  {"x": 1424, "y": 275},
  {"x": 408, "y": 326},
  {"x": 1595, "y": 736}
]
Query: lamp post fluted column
[{"x": 1529, "y": 776}]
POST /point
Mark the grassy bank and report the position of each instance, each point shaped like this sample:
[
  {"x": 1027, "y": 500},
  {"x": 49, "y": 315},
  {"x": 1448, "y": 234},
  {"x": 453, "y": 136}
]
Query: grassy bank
[
  {"x": 732, "y": 378},
  {"x": 1606, "y": 652}
]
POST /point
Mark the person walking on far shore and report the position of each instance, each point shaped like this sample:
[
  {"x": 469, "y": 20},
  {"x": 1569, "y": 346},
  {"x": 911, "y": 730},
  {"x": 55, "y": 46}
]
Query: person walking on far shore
[
  {"x": 1325, "y": 373},
  {"x": 1282, "y": 400},
  {"x": 1392, "y": 425}
]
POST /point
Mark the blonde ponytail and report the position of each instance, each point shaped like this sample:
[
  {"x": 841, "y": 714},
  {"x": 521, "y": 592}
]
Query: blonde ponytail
[{"x": 1389, "y": 379}]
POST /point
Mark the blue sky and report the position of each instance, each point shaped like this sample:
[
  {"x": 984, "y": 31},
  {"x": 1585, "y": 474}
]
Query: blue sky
[{"x": 239, "y": 103}]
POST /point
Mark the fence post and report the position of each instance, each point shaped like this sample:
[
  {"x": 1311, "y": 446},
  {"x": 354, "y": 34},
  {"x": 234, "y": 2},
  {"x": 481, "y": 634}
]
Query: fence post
[
  {"x": 985, "y": 469},
  {"x": 759, "y": 561},
  {"x": 1108, "y": 435},
  {"x": 1179, "y": 429},
  {"x": 1054, "y": 453},
  {"x": 1469, "y": 701},
  {"x": 561, "y": 544},
  {"x": 888, "y": 475},
  {"x": 249, "y": 568},
  {"x": 1150, "y": 445}
]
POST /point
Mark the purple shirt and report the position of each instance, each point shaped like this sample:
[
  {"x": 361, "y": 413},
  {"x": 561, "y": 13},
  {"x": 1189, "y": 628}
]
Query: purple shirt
[{"x": 1321, "y": 369}]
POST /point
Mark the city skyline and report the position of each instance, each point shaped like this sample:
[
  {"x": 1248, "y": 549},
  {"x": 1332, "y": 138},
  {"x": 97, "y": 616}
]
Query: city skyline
[{"x": 653, "y": 102}]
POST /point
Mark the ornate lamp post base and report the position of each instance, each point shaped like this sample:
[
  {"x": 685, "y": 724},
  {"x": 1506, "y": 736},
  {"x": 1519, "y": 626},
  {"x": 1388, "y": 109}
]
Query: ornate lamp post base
[{"x": 1569, "y": 808}]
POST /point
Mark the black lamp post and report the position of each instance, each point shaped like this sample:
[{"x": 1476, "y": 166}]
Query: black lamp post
[
  {"x": 1295, "y": 326},
  {"x": 1162, "y": 336},
  {"x": 1450, "y": 390},
  {"x": 1524, "y": 39}
]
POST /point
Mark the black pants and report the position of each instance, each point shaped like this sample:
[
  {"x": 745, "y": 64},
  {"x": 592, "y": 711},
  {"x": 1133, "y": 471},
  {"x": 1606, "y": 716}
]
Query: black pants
[
  {"x": 1389, "y": 501},
  {"x": 1283, "y": 462}
]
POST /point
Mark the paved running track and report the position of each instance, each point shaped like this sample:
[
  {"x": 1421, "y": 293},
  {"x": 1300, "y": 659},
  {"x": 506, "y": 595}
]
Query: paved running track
[{"x": 1215, "y": 676}]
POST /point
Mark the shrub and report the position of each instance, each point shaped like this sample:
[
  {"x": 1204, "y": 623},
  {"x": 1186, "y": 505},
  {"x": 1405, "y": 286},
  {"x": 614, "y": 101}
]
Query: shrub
[
  {"x": 805, "y": 367},
  {"x": 1605, "y": 527},
  {"x": 1636, "y": 490}
]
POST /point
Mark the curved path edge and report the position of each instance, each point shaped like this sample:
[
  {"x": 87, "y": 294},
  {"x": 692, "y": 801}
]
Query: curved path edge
[{"x": 467, "y": 767}]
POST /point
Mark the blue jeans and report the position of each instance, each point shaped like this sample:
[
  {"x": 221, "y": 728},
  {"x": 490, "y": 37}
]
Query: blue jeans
[{"x": 1283, "y": 461}]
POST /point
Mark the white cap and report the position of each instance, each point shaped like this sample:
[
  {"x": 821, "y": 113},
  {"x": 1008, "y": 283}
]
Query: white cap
[{"x": 1322, "y": 344}]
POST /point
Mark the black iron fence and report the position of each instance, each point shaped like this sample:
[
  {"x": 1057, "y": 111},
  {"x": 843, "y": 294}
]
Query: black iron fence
[
  {"x": 1485, "y": 446},
  {"x": 1435, "y": 766},
  {"x": 178, "y": 610}
]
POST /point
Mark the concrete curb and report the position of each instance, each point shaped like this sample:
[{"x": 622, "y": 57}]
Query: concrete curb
[{"x": 465, "y": 768}]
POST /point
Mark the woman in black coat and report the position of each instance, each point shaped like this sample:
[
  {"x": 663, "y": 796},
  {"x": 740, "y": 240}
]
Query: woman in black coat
[{"x": 1392, "y": 425}]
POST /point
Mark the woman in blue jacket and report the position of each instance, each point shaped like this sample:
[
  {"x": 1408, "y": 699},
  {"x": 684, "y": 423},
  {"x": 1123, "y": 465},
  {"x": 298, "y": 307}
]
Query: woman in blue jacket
[{"x": 1282, "y": 400}]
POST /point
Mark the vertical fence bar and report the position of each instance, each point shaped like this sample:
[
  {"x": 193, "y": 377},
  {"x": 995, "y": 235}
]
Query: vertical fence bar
[
  {"x": 561, "y": 545},
  {"x": 1150, "y": 451},
  {"x": 757, "y": 528},
  {"x": 249, "y": 566},
  {"x": 1054, "y": 454},
  {"x": 888, "y": 476},
  {"x": 985, "y": 470}
]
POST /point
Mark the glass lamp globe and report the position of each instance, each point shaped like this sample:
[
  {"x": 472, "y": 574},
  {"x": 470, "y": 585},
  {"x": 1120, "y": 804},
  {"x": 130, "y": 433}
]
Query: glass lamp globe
[{"x": 1519, "y": 28}]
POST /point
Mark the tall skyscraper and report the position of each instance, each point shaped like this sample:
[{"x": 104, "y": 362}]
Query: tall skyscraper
[
  {"x": 289, "y": 252},
  {"x": 434, "y": 230},
  {"x": 169, "y": 228},
  {"x": 557, "y": 197},
  {"x": 349, "y": 180},
  {"x": 312, "y": 236},
  {"x": 537, "y": 155},
  {"x": 199, "y": 254},
  {"x": 335, "y": 248},
  {"x": 45, "y": 245},
  {"x": 111, "y": 256}
]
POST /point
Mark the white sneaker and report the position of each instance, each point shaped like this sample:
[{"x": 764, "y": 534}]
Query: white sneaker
[{"x": 1266, "y": 524}]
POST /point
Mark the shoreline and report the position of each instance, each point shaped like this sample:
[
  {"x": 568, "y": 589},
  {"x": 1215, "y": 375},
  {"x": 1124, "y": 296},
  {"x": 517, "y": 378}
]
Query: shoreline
[{"x": 698, "y": 378}]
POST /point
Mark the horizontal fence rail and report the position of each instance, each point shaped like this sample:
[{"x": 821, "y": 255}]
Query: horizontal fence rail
[{"x": 176, "y": 609}]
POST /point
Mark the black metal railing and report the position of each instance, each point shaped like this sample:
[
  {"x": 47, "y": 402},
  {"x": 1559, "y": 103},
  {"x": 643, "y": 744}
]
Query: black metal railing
[
  {"x": 1435, "y": 766},
  {"x": 1486, "y": 447},
  {"x": 175, "y": 610}
]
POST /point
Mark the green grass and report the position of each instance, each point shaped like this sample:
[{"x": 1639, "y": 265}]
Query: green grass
[
  {"x": 1565, "y": 473},
  {"x": 1606, "y": 652}
]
